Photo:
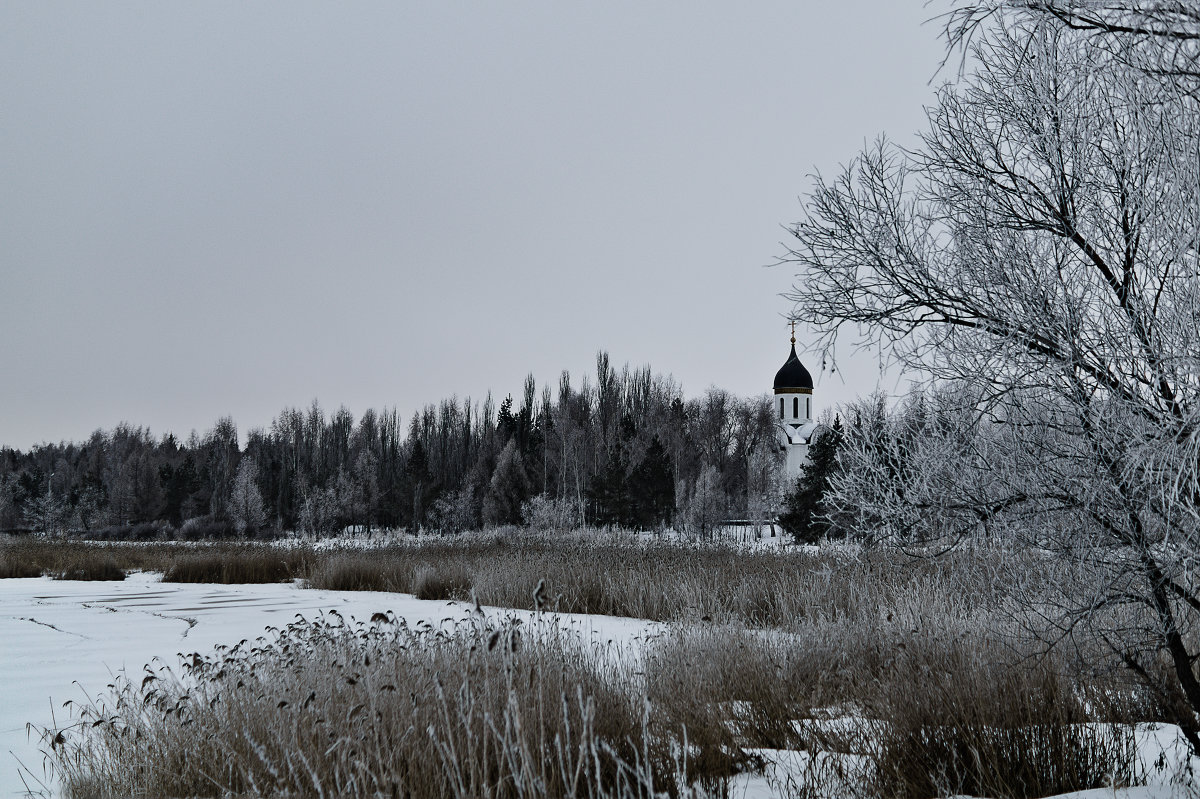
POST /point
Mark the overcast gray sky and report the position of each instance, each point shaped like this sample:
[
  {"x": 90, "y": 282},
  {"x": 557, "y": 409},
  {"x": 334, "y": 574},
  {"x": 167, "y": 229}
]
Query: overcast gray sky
[{"x": 228, "y": 208}]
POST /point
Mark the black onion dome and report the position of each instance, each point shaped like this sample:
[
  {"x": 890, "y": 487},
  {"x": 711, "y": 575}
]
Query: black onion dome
[{"x": 793, "y": 374}]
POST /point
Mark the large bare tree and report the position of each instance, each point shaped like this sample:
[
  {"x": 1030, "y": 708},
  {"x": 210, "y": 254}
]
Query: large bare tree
[{"x": 1039, "y": 249}]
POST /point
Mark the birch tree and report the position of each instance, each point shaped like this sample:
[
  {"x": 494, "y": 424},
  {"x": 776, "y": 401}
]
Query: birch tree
[
  {"x": 245, "y": 502},
  {"x": 1039, "y": 247},
  {"x": 706, "y": 506}
]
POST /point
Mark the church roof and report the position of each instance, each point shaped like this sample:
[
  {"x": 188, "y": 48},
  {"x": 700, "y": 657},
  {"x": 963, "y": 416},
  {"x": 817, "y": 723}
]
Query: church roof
[{"x": 793, "y": 374}]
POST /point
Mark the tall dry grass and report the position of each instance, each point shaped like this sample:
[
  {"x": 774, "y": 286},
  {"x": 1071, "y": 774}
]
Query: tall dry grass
[
  {"x": 26, "y": 556},
  {"x": 901, "y": 676},
  {"x": 15, "y": 562},
  {"x": 330, "y": 708},
  {"x": 595, "y": 574},
  {"x": 90, "y": 568},
  {"x": 238, "y": 564},
  {"x": 226, "y": 562},
  {"x": 974, "y": 725},
  {"x": 898, "y": 713},
  {"x": 665, "y": 580}
]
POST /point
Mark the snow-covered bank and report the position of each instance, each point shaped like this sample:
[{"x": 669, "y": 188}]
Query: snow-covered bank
[
  {"x": 62, "y": 640},
  {"x": 1164, "y": 763}
]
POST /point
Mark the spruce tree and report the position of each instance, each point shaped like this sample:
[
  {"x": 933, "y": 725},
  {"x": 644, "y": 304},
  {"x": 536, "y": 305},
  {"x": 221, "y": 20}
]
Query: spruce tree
[
  {"x": 652, "y": 487},
  {"x": 801, "y": 517},
  {"x": 506, "y": 423},
  {"x": 608, "y": 494},
  {"x": 417, "y": 477}
]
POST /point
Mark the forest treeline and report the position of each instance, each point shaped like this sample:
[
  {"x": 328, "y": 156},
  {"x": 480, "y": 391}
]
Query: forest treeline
[{"x": 623, "y": 447}]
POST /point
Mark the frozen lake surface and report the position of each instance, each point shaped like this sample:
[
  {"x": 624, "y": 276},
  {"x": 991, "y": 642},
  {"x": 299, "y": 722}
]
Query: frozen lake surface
[{"x": 62, "y": 640}]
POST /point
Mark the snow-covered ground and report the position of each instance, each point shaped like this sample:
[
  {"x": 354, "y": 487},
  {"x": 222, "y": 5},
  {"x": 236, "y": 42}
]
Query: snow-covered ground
[
  {"x": 62, "y": 640},
  {"x": 1163, "y": 761}
]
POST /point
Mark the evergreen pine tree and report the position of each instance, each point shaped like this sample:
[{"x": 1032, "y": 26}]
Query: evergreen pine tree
[
  {"x": 652, "y": 487},
  {"x": 608, "y": 493},
  {"x": 506, "y": 423},
  {"x": 416, "y": 472},
  {"x": 801, "y": 517}
]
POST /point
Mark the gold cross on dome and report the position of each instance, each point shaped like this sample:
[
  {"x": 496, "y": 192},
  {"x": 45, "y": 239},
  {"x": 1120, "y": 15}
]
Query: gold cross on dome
[{"x": 793, "y": 324}]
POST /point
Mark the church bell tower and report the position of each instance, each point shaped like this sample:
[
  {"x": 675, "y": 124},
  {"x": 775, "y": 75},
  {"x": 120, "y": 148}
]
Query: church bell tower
[{"x": 793, "y": 406}]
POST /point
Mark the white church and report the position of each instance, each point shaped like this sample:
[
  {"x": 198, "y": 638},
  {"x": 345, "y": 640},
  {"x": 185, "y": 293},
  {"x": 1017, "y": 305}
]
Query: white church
[
  {"x": 794, "y": 429},
  {"x": 793, "y": 398}
]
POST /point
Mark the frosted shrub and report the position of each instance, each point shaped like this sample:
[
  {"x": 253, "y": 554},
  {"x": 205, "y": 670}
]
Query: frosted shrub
[
  {"x": 548, "y": 514},
  {"x": 455, "y": 512}
]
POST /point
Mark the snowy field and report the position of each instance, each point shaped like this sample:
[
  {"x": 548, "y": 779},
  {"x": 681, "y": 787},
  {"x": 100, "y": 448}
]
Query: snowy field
[{"x": 62, "y": 640}]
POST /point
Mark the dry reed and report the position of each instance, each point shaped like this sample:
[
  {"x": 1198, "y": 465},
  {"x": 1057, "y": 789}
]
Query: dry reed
[
  {"x": 244, "y": 565},
  {"x": 606, "y": 575},
  {"x": 332, "y": 708},
  {"x": 902, "y": 676}
]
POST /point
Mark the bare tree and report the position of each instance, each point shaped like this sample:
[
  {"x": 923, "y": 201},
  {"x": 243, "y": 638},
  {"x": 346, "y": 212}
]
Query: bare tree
[
  {"x": 925, "y": 470},
  {"x": 1039, "y": 248},
  {"x": 46, "y": 513},
  {"x": 9, "y": 516},
  {"x": 320, "y": 511},
  {"x": 1157, "y": 37}
]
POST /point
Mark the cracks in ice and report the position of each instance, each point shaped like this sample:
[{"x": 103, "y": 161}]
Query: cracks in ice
[
  {"x": 188, "y": 620},
  {"x": 51, "y": 626}
]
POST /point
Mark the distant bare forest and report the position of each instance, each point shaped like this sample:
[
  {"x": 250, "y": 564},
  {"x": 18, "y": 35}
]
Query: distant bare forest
[{"x": 623, "y": 447}]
